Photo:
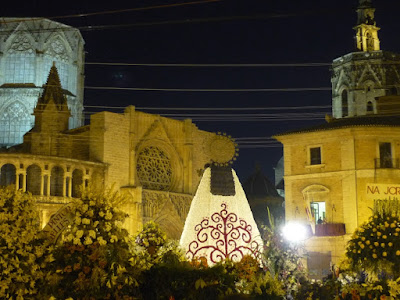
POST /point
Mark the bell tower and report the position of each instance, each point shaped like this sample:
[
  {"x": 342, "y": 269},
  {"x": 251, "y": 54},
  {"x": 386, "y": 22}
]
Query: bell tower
[
  {"x": 366, "y": 30},
  {"x": 359, "y": 78}
]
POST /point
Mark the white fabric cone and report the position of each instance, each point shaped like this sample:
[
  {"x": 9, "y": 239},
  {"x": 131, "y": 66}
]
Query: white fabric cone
[{"x": 219, "y": 227}]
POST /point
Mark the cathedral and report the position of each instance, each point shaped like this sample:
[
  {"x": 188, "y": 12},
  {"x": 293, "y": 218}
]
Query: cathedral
[
  {"x": 28, "y": 48},
  {"x": 156, "y": 162},
  {"x": 334, "y": 172}
]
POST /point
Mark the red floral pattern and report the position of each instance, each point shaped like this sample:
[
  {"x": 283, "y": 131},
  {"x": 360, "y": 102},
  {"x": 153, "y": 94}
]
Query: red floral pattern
[{"x": 223, "y": 236}]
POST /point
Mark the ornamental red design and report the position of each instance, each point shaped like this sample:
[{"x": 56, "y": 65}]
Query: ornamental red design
[{"x": 223, "y": 236}]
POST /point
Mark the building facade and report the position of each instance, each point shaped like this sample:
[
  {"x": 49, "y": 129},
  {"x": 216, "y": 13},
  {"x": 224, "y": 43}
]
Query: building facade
[
  {"x": 335, "y": 171},
  {"x": 28, "y": 48},
  {"x": 155, "y": 162}
]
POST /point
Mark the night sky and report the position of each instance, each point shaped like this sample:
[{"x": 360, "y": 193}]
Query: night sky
[{"x": 221, "y": 32}]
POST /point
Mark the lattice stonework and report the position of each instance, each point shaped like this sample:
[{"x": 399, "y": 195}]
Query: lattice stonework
[{"x": 154, "y": 169}]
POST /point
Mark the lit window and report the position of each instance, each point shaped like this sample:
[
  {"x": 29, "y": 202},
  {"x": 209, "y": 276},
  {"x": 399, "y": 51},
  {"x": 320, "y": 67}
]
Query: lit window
[
  {"x": 315, "y": 156},
  {"x": 318, "y": 211}
]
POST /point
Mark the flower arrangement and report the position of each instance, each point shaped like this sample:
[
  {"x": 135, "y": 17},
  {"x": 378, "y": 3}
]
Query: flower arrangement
[
  {"x": 375, "y": 245},
  {"x": 151, "y": 237},
  {"x": 94, "y": 259},
  {"x": 23, "y": 254}
]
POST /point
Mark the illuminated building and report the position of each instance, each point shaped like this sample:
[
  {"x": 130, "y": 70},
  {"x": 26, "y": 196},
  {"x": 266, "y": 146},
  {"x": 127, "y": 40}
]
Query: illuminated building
[
  {"x": 155, "y": 161},
  {"x": 28, "y": 48},
  {"x": 335, "y": 171}
]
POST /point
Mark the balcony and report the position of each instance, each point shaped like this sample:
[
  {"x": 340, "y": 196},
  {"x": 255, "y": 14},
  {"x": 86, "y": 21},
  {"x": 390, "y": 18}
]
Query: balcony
[
  {"x": 387, "y": 163},
  {"x": 330, "y": 229}
]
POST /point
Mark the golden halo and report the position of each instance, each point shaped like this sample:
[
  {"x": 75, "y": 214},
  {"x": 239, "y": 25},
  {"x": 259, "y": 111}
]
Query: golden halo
[{"x": 223, "y": 149}]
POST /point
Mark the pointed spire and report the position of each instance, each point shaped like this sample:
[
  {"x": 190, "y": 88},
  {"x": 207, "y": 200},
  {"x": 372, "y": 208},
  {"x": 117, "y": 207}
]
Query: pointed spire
[
  {"x": 53, "y": 92},
  {"x": 366, "y": 30},
  {"x": 51, "y": 111}
]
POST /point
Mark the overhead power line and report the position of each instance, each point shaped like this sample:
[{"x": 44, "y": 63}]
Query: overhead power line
[
  {"x": 116, "y": 11},
  {"x": 212, "y": 65},
  {"x": 307, "y": 89}
]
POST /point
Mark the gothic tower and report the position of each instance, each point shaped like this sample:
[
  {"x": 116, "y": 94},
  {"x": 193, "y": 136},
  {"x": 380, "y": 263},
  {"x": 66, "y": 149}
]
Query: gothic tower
[
  {"x": 359, "y": 77},
  {"x": 28, "y": 48}
]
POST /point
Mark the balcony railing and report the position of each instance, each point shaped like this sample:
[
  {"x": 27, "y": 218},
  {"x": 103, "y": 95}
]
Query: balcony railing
[
  {"x": 330, "y": 229},
  {"x": 387, "y": 163}
]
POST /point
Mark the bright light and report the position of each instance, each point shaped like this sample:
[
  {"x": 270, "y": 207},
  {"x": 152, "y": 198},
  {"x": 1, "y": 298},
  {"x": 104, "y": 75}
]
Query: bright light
[{"x": 295, "y": 232}]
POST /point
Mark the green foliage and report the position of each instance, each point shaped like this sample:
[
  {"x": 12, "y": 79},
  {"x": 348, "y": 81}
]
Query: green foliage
[
  {"x": 281, "y": 258},
  {"x": 375, "y": 245},
  {"x": 23, "y": 254},
  {"x": 95, "y": 259}
]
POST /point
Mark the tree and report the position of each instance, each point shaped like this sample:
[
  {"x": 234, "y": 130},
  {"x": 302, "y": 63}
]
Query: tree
[{"x": 23, "y": 254}]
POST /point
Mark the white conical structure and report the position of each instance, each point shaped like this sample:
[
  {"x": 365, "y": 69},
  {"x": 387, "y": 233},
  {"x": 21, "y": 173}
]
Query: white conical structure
[{"x": 219, "y": 227}]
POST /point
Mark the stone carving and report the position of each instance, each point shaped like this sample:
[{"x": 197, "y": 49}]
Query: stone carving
[
  {"x": 154, "y": 169},
  {"x": 21, "y": 43}
]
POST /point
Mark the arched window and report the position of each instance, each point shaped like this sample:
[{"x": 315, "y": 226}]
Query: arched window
[
  {"x": 77, "y": 181},
  {"x": 370, "y": 107},
  {"x": 57, "y": 181},
  {"x": 345, "y": 104},
  {"x": 317, "y": 196},
  {"x": 33, "y": 179},
  {"x": 15, "y": 121},
  {"x": 20, "y": 61},
  {"x": 7, "y": 175}
]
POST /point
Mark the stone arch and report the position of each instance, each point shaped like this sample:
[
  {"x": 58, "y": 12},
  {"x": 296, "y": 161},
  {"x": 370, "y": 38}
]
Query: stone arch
[
  {"x": 15, "y": 121},
  {"x": 8, "y": 175},
  {"x": 77, "y": 181},
  {"x": 57, "y": 181},
  {"x": 33, "y": 179}
]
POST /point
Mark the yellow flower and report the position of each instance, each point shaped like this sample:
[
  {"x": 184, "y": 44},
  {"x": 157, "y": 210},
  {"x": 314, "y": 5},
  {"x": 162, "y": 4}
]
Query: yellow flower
[
  {"x": 79, "y": 234},
  {"x": 378, "y": 233},
  {"x": 362, "y": 246},
  {"x": 374, "y": 255},
  {"x": 376, "y": 244},
  {"x": 363, "y": 238},
  {"x": 384, "y": 254},
  {"x": 384, "y": 236},
  {"x": 390, "y": 244},
  {"x": 383, "y": 245},
  {"x": 367, "y": 242},
  {"x": 85, "y": 221},
  {"x": 398, "y": 252},
  {"x": 88, "y": 241},
  {"x": 392, "y": 225}
]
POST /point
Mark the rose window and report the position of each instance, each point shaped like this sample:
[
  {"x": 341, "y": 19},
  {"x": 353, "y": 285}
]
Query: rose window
[{"x": 154, "y": 169}]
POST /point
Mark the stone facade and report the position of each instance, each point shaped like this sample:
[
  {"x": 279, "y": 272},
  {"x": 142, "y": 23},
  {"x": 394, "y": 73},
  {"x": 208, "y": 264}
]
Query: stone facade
[
  {"x": 332, "y": 171},
  {"x": 360, "y": 77},
  {"x": 155, "y": 161},
  {"x": 28, "y": 48}
]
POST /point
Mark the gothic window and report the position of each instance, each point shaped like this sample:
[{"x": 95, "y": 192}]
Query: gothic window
[
  {"x": 7, "y": 175},
  {"x": 77, "y": 181},
  {"x": 154, "y": 169},
  {"x": 20, "y": 61},
  {"x": 56, "y": 51},
  {"x": 33, "y": 179},
  {"x": 15, "y": 121},
  {"x": 56, "y": 181},
  {"x": 345, "y": 104}
]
